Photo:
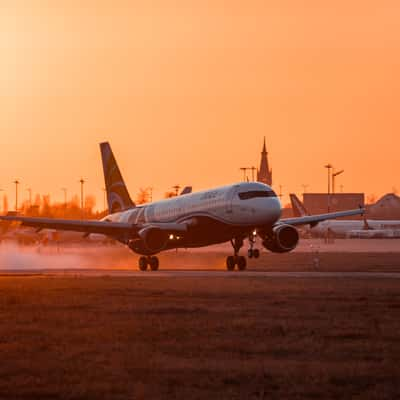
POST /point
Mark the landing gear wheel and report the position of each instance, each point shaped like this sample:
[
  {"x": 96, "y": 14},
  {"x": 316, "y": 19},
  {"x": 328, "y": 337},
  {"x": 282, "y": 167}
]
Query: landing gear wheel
[
  {"x": 256, "y": 253},
  {"x": 143, "y": 263},
  {"x": 154, "y": 263},
  {"x": 241, "y": 263},
  {"x": 230, "y": 263},
  {"x": 250, "y": 253}
]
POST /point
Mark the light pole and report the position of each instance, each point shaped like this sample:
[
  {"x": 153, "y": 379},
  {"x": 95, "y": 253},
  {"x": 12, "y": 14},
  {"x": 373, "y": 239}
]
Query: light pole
[
  {"x": 16, "y": 182},
  {"x": 244, "y": 169},
  {"x": 82, "y": 182},
  {"x": 253, "y": 170},
  {"x": 329, "y": 168},
  {"x": 176, "y": 187},
  {"x": 150, "y": 190},
  {"x": 280, "y": 192},
  {"x": 334, "y": 175}
]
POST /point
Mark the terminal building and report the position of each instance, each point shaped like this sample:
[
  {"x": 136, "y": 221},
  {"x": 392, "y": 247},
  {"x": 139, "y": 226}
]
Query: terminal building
[{"x": 320, "y": 203}]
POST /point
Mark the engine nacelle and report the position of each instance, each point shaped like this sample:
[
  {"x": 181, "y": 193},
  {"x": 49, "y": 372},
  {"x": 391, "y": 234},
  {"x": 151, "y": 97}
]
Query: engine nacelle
[
  {"x": 282, "y": 239},
  {"x": 152, "y": 240}
]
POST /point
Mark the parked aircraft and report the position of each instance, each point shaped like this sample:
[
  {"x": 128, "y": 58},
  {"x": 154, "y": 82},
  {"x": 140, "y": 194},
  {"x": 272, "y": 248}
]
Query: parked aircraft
[
  {"x": 366, "y": 228},
  {"x": 229, "y": 213}
]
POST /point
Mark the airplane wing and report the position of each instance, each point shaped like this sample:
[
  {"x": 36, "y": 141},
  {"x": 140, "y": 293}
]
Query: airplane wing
[
  {"x": 313, "y": 220},
  {"x": 113, "y": 229},
  {"x": 103, "y": 227}
]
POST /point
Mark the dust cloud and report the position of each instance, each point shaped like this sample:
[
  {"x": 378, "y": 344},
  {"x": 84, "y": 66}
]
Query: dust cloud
[
  {"x": 82, "y": 256},
  {"x": 14, "y": 257}
]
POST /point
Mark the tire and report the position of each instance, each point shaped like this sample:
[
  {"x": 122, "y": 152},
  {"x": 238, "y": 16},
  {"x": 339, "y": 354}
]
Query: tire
[
  {"x": 143, "y": 263},
  {"x": 242, "y": 263},
  {"x": 250, "y": 253},
  {"x": 154, "y": 263},
  {"x": 256, "y": 253},
  {"x": 230, "y": 263}
]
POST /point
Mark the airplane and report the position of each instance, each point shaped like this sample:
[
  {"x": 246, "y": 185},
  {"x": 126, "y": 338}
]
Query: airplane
[
  {"x": 366, "y": 228},
  {"x": 228, "y": 213}
]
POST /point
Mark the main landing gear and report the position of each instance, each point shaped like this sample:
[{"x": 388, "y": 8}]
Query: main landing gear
[
  {"x": 240, "y": 261},
  {"x": 150, "y": 261}
]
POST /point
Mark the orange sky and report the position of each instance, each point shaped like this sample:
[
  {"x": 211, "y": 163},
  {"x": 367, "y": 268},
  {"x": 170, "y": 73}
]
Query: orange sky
[{"x": 186, "y": 90}]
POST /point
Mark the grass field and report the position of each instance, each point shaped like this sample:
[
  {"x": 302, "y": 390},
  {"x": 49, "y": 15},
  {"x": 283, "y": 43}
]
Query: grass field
[{"x": 222, "y": 338}]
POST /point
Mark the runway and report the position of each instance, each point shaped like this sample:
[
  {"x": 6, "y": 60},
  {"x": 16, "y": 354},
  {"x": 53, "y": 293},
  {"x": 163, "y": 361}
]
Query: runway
[{"x": 198, "y": 274}]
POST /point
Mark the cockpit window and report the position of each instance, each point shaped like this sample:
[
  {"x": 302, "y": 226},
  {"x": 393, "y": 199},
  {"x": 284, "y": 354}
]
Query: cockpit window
[{"x": 256, "y": 193}]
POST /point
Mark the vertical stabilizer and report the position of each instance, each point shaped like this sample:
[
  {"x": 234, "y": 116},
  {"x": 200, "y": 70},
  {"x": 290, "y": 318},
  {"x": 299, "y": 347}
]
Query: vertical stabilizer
[
  {"x": 117, "y": 194},
  {"x": 298, "y": 207}
]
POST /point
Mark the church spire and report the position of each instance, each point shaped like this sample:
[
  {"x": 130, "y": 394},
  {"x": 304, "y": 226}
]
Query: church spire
[{"x": 264, "y": 174}]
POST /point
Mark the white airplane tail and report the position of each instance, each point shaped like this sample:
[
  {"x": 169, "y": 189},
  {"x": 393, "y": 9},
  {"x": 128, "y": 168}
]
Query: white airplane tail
[
  {"x": 298, "y": 207},
  {"x": 117, "y": 193}
]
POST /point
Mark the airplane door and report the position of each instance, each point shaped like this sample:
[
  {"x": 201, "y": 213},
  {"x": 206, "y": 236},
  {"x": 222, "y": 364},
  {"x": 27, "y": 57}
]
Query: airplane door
[{"x": 229, "y": 199}]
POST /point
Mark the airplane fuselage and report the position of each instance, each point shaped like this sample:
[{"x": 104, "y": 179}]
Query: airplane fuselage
[{"x": 212, "y": 216}]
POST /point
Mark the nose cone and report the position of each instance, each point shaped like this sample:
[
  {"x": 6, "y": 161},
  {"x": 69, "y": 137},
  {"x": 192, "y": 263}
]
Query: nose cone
[
  {"x": 265, "y": 211},
  {"x": 257, "y": 204}
]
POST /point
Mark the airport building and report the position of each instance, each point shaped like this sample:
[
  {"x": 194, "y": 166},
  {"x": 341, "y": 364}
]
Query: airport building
[{"x": 320, "y": 203}]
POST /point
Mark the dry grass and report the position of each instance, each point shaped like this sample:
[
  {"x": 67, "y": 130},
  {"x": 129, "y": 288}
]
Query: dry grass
[{"x": 131, "y": 338}]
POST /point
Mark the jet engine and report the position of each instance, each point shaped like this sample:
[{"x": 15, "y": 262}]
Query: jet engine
[
  {"x": 282, "y": 239},
  {"x": 152, "y": 240}
]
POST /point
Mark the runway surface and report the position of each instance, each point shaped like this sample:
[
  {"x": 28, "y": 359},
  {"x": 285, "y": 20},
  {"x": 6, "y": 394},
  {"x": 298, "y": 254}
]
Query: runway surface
[{"x": 199, "y": 274}]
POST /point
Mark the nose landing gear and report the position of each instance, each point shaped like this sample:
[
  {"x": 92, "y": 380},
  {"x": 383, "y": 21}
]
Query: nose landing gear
[
  {"x": 150, "y": 261},
  {"x": 240, "y": 261},
  {"x": 253, "y": 252}
]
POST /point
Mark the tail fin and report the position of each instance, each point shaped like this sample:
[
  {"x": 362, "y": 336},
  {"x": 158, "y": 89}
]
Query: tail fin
[
  {"x": 117, "y": 194},
  {"x": 298, "y": 207}
]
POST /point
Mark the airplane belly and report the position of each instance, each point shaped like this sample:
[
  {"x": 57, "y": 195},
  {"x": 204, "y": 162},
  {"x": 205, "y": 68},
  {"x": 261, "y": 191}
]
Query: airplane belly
[{"x": 208, "y": 231}]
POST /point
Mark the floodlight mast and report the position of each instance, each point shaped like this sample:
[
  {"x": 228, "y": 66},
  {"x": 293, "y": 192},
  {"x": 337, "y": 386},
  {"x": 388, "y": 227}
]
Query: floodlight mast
[
  {"x": 329, "y": 167},
  {"x": 334, "y": 175}
]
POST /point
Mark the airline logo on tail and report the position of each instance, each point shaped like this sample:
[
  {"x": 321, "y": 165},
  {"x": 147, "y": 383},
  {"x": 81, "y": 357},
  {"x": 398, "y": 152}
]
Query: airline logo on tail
[
  {"x": 117, "y": 193},
  {"x": 298, "y": 208}
]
